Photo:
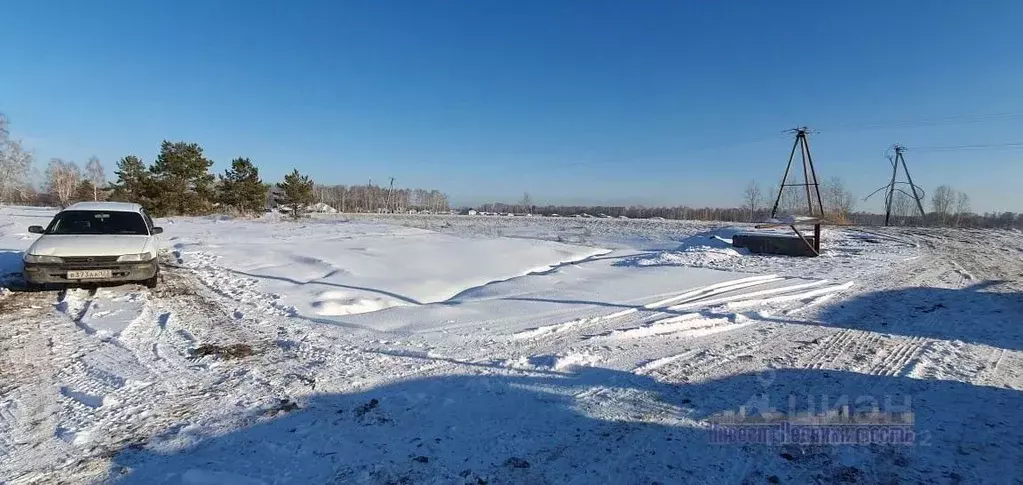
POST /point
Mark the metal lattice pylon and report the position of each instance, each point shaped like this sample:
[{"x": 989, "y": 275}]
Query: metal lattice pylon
[{"x": 809, "y": 176}]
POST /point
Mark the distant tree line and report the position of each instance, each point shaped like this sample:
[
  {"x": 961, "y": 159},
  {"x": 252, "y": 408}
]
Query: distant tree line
[
  {"x": 632, "y": 212},
  {"x": 948, "y": 208},
  {"x": 179, "y": 182},
  {"x": 377, "y": 198}
]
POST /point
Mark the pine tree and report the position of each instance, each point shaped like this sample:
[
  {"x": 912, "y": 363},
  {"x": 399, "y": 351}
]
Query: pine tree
[
  {"x": 132, "y": 181},
  {"x": 85, "y": 191},
  {"x": 182, "y": 180},
  {"x": 298, "y": 192},
  {"x": 241, "y": 188}
]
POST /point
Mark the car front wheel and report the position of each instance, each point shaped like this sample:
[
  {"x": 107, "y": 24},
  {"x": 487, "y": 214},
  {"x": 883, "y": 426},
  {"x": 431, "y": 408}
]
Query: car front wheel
[{"x": 152, "y": 282}]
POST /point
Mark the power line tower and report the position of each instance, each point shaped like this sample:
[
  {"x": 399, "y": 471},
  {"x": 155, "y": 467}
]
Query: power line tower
[
  {"x": 809, "y": 176},
  {"x": 895, "y": 159}
]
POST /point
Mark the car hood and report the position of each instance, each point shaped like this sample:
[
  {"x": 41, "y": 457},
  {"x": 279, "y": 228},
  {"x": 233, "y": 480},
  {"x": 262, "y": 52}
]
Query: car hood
[{"x": 89, "y": 245}]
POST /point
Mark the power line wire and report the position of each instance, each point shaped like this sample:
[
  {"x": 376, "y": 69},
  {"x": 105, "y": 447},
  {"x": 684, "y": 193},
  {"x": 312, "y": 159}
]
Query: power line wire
[
  {"x": 921, "y": 123},
  {"x": 983, "y": 146},
  {"x": 948, "y": 120}
]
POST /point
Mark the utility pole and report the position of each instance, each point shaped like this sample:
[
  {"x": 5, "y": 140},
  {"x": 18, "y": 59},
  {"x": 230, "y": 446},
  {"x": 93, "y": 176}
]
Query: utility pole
[
  {"x": 809, "y": 175},
  {"x": 898, "y": 158}
]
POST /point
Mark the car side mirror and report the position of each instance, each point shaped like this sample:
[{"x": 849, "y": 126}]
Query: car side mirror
[
  {"x": 157, "y": 230},
  {"x": 35, "y": 229}
]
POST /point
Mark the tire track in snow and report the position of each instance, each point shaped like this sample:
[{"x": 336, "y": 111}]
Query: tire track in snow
[
  {"x": 704, "y": 362},
  {"x": 75, "y": 303},
  {"x": 688, "y": 325},
  {"x": 898, "y": 357},
  {"x": 99, "y": 386},
  {"x": 660, "y": 308},
  {"x": 42, "y": 404},
  {"x": 98, "y": 413},
  {"x": 692, "y": 366},
  {"x": 824, "y": 354},
  {"x": 686, "y": 316},
  {"x": 746, "y": 300},
  {"x": 27, "y": 393},
  {"x": 653, "y": 365}
]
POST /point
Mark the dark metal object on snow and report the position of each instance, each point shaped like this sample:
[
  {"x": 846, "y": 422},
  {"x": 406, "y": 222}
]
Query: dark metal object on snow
[{"x": 774, "y": 243}]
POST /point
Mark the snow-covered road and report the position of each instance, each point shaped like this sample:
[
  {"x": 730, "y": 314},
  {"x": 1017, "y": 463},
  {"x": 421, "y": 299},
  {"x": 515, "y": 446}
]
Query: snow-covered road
[{"x": 510, "y": 350}]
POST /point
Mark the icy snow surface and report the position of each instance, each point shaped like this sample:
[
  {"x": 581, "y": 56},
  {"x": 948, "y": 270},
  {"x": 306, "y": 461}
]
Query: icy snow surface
[{"x": 459, "y": 349}]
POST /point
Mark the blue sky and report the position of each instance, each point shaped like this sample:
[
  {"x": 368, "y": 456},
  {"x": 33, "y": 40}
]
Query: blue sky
[{"x": 653, "y": 102}]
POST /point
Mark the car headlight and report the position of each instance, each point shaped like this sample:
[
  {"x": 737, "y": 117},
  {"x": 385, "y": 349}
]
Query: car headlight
[
  {"x": 37, "y": 259},
  {"x": 131, "y": 258}
]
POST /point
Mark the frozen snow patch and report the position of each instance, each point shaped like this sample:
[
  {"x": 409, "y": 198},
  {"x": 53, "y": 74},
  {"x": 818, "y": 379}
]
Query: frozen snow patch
[
  {"x": 694, "y": 256},
  {"x": 703, "y": 249},
  {"x": 338, "y": 303}
]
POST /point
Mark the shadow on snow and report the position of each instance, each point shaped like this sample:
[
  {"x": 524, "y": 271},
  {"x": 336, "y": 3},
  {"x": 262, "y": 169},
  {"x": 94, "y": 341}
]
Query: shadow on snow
[
  {"x": 970, "y": 314},
  {"x": 590, "y": 425}
]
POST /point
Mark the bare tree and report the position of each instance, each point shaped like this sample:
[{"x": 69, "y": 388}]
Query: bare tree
[
  {"x": 95, "y": 174},
  {"x": 752, "y": 198},
  {"x": 941, "y": 201},
  {"x": 838, "y": 200},
  {"x": 901, "y": 206},
  {"x": 791, "y": 202},
  {"x": 962, "y": 206},
  {"x": 15, "y": 163},
  {"x": 62, "y": 180}
]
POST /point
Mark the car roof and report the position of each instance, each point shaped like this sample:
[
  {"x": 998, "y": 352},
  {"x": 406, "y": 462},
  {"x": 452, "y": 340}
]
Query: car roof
[{"x": 105, "y": 206}]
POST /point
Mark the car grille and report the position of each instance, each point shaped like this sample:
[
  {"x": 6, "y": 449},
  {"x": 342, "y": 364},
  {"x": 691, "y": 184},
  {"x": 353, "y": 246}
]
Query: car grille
[{"x": 89, "y": 261}]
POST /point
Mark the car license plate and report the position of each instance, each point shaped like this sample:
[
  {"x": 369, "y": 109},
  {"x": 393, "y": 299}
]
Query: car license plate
[{"x": 89, "y": 274}]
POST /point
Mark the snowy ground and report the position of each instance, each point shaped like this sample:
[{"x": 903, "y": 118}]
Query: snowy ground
[{"x": 412, "y": 349}]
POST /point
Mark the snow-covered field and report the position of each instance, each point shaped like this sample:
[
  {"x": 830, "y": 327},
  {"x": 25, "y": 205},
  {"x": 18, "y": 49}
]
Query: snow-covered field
[{"x": 444, "y": 349}]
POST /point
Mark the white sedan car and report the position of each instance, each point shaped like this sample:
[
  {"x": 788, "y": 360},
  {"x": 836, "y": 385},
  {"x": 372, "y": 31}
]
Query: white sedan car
[{"x": 94, "y": 242}]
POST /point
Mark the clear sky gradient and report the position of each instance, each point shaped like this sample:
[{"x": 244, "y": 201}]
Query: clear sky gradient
[{"x": 649, "y": 102}]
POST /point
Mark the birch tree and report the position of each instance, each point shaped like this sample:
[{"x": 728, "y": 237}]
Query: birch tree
[
  {"x": 962, "y": 206},
  {"x": 15, "y": 163},
  {"x": 941, "y": 202},
  {"x": 62, "y": 180},
  {"x": 95, "y": 174},
  {"x": 901, "y": 206},
  {"x": 838, "y": 200},
  {"x": 751, "y": 198}
]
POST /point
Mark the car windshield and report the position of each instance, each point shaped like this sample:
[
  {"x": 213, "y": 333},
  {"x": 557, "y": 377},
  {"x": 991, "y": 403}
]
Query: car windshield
[{"x": 98, "y": 222}]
